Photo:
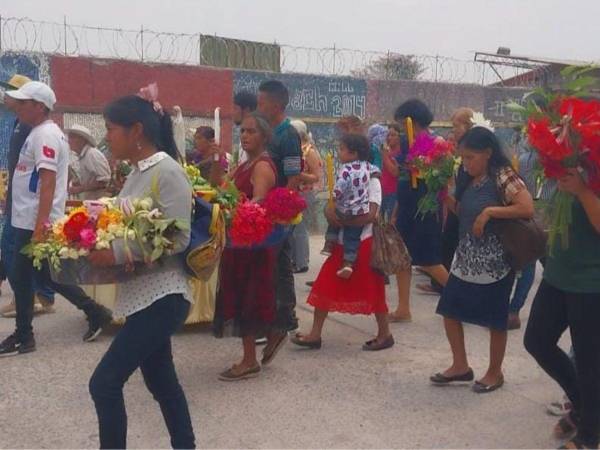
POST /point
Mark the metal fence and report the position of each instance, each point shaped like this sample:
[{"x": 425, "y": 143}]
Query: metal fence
[{"x": 27, "y": 35}]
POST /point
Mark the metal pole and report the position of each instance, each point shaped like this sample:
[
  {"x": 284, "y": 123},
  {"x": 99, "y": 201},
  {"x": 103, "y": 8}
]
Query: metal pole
[
  {"x": 437, "y": 58},
  {"x": 142, "y": 42},
  {"x": 65, "y": 31},
  {"x": 388, "y": 64}
]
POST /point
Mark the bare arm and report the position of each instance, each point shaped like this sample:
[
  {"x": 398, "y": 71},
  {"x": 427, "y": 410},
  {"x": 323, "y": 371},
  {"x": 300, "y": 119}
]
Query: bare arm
[
  {"x": 263, "y": 180},
  {"x": 47, "y": 188},
  {"x": 520, "y": 208},
  {"x": 313, "y": 174},
  {"x": 390, "y": 164}
]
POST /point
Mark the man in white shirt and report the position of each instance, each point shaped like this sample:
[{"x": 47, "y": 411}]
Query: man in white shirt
[
  {"x": 93, "y": 171},
  {"x": 39, "y": 194}
]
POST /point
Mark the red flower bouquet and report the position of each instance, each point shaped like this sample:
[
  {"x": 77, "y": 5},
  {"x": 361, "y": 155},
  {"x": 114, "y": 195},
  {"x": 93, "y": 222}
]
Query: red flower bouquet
[
  {"x": 284, "y": 206},
  {"x": 249, "y": 225},
  {"x": 566, "y": 135},
  {"x": 433, "y": 160}
]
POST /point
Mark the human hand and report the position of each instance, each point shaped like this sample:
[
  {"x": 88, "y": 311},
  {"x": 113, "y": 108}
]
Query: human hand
[
  {"x": 102, "y": 258},
  {"x": 39, "y": 233},
  {"x": 480, "y": 223},
  {"x": 332, "y": 217},
  {"x": 572, "y": 182},
  {"x": 75, "y": 189}
]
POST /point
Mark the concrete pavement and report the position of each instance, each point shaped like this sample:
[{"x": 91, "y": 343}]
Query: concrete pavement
[{"x": 338, "y": 397}]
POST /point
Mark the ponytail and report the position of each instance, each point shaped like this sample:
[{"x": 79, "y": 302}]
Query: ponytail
[{"x": 158, "y": 127}]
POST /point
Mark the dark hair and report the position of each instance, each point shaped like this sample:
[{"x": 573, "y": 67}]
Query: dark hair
[
  {"x": 357, "y": 143},
  {"x": 158, "y": 128},
  {"x": 480, "y": 139},
  {"x": 277, "y": 90},
  {"x": 245, "y": 100},
  {"x": 416, "y": 110},
  {"x": 207, "y": 133}
]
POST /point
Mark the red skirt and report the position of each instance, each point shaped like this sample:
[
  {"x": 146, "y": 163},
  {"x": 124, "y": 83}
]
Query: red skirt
[
  {"x": 245, "y": 304},
  {"x": 362, "y": 293}
]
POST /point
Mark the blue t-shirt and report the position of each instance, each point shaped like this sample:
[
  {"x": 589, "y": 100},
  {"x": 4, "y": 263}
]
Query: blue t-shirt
[{"x": 285, "y": 150}]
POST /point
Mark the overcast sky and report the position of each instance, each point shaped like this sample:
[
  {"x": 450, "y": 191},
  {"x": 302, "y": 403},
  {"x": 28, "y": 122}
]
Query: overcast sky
[{"x": 566, "y": 29}]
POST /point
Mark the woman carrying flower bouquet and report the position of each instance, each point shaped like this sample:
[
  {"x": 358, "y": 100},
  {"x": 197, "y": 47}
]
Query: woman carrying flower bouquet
[
  {"x": 478, "y": 290},
  {"x": 156, "y": 302},
  {"x": 569, "y": 297},
  {"x": 422, "y": 234},
  {"x": 246, "y": 305}
]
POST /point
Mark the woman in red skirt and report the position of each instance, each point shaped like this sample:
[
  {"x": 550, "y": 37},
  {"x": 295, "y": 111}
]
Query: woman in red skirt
[
  {"x": 245, "y": 304},
  {"x": 362, "y": 293}
]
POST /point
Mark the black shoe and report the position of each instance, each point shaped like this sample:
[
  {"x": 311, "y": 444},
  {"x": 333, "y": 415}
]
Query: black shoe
[
  {"x": 11, "y": 346},
  {"x": 100, "y": 320},
  {"x": 310, "y": 283},
  {"x": 302, "y": 270},
  {"x": 261, "y": 341}
]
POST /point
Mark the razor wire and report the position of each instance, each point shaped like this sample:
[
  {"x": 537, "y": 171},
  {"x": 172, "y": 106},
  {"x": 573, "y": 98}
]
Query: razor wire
[{"x": 27, "y": 35}]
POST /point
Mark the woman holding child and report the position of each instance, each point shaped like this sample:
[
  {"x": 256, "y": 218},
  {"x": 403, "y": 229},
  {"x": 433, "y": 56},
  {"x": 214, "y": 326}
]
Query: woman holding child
[{"x": 360, "y": 290}]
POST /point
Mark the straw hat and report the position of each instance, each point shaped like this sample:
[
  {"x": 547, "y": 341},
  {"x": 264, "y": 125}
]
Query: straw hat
[
  {"x": 15, "y": 82},
  {"x": 82, "y": 131}
]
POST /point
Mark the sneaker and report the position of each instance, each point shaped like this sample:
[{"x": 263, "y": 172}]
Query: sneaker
[
  {"x": 327, "y": 249},
  {"x": 97, "y": 323},
  {"x": 11, "y": 346},
  {"x": 9, "y": 310},
  {"x": 345, "y": 272},
  {"x": 560, "y": 408}
]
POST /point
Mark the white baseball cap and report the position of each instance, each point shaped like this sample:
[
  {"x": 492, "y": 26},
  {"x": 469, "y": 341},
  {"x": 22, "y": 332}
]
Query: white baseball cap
[{"x": 37, "y": 91}]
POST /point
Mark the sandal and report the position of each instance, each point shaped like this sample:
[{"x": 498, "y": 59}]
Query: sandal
[
  {"x": 269, "y": 353},
  {"x": 232, "y": 373},
  {"x": 566, "y": 427},
  {"x": 299, "y": 340},
  {"x": 373, "y": 346},
  {"x": 440, "y": 379}
]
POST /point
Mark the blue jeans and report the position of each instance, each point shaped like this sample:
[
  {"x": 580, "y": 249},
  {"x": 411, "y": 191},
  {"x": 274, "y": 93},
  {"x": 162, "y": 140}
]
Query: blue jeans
[
  {"x": 7, "y": 249},
  {"x": 21, "y": 276},
  {"x": 522, "y": 288},
  {"x": 351, "y": 240},
  {"x": 144, "y": 342},
  {"x": 300, "y": 238}
]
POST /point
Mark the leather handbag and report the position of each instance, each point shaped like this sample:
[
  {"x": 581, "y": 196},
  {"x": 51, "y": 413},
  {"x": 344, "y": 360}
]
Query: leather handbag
[
  {"x": 524, "y": 241},
  {"x": 388, "y": 253}
]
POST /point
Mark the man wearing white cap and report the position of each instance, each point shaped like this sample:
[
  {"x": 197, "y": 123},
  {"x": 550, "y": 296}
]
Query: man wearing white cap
[
  {"x": 94, "y": 170},
  {"x": 39, "y": 194},
  {"x": 44, "y": 295}
]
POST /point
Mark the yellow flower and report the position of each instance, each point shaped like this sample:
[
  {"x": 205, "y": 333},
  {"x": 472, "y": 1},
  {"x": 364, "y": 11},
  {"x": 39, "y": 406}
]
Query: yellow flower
[{"x": 110, "y": 217}]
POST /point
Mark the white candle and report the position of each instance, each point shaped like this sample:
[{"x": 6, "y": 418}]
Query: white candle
[{"x": 218, "y": 126}]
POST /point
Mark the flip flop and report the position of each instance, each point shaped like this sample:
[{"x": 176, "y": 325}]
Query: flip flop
[
  {"x": 480, "y": 388},
  {"x": 440, "y": 379},
  {"x": 373, "y": 346},
  {"x": 268, "y": 356},
  {"x": 231, "y": 375}
]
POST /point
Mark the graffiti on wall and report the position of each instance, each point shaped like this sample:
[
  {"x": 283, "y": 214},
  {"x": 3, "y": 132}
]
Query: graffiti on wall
[{"x": 312, "y": 96}]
